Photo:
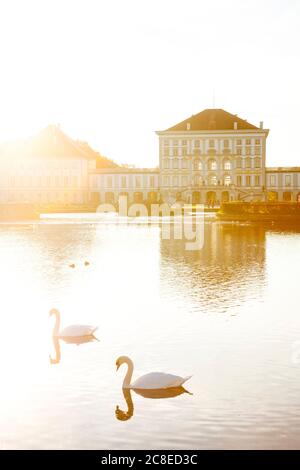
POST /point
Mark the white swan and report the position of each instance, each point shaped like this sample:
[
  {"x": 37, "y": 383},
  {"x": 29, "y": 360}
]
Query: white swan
[
  {"x": 72, "y": 331},
  {"x": 152, "y": 381}
]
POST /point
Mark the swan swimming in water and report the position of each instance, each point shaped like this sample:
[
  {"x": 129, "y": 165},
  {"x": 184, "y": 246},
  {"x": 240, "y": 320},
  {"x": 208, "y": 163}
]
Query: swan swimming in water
[
  {"x": 152, "y": 381},
  {"x": 72, "y": 331}
]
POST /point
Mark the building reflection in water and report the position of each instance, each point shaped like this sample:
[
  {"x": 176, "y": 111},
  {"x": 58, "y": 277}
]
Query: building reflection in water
[{"x": 225, "y": 272}]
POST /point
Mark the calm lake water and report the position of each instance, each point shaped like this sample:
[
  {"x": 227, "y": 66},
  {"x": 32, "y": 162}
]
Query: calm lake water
[{"x": 228, "y": 315}]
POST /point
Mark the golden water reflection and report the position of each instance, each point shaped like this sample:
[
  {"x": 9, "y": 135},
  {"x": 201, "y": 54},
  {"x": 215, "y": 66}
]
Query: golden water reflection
[
  {"x": 230, "y": 268},
  {"x": 227, "y": 315},
  {"x": 76, "y": 340},
  {"x": 155, "y": 394}
]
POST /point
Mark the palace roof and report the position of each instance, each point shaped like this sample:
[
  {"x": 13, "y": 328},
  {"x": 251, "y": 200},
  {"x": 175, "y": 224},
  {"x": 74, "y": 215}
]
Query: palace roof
[{"x": 213, "y": 119}]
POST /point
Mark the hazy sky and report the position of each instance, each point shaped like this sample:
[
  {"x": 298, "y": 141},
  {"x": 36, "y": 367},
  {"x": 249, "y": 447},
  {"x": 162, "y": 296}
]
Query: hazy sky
[{"x": 112, "y": 72}]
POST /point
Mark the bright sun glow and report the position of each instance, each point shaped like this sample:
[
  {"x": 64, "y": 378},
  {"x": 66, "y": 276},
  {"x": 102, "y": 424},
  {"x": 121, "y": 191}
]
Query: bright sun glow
[{"x": 114, "y": 72}]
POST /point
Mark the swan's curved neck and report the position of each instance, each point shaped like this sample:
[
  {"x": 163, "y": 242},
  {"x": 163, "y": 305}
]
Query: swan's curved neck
[
  {"x": 128, "y": 376},
  {"x": 57, "y": 324}
]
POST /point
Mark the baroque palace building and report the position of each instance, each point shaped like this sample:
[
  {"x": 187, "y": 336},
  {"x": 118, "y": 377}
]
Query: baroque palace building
[
  {"x": 48, "y": 168},
  {"x": 215, "y": 156},
  {"x": 211, "y": 157}
]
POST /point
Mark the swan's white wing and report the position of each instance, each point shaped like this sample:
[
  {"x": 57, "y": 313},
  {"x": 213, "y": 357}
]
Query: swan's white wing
[
  {"x": 78, "y": 330},
  {"x": 156, "y": 380}
]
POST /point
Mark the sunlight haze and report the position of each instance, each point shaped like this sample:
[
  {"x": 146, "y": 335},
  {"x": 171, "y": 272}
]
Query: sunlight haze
[{"x": 113, "y": 72}]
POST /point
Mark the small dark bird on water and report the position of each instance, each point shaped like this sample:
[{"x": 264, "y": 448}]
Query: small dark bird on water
[
  {"x": 86, "y": 263},
  {"x": 72, "y": 265}
]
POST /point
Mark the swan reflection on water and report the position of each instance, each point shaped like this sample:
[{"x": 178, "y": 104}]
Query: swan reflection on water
[
  {"x": 69, "y": 340},
  {"x": 150, "y": 393}
]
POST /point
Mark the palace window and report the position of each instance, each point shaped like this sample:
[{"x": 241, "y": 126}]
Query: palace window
[
  {"x": 227, "y": 180},
  {"x": 175, "y": 163},
  {"x": 166, "y": 180},
  {"x": 248, "y": 162},
  {"x": 175, "y": 180},
  {"x": 109, "y": 181},
  {"x": 184, "y": 152},
  {"x": 123, "y": 182},
  {"x": 226, "y": 144},
  {"x": 197, "y": 152},
  {"x": 248, "y": 141},
  {"x": 197, "y": 143},
  {"x": 212, "y": 165},
  {"x": 175, "y": 152},
  {"x": 213, "y": 180},
  {"x": 152, "y": 181},
  {"x": 166, "y": 163},
  {"x": 257, "y": 180},
  {"x": 239, "y": 180},
  {"x": 196, "y": 180},
  {"x": 175, "y": 143},
  {"x": 198, "y": 165},
  {"x": 248, "y": 150},
  {"x": 166, "y": 152},
  {"x": 257, "y": 142},
  {"x": 239, "y": 151},
  {"x": 166, "y": 142},
  {"x": 239, "y": 162},
  {"x": 248, "y": 180},
  {"x": 257, "y": 162},
  {"x": 257, "y": 150},
  {"x": 288, "y": 180},
  {"x": 239, "y": 142},
  {"x": 184, "y": 163},
  {"x": 227, "y": 165},
  {"x": 184, "y": 143},
  {"x": 211, "y": 143},
  {"x": 184, "y": 181},
  {"x": 137, "y": 181},
  {"x": 272, "y": 180}
]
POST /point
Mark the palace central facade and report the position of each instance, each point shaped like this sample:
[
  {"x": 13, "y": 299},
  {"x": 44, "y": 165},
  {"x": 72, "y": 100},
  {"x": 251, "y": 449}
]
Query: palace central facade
[
  {"x": 212, "y": 157},
  {"x": 209, "y": 158}
]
